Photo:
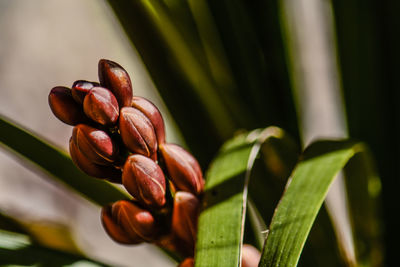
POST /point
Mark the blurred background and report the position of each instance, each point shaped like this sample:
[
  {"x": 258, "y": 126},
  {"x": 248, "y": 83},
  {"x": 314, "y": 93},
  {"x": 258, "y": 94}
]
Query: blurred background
[
  {"x": 316, "y": 68},
  {"x": 44, "y": 44}
]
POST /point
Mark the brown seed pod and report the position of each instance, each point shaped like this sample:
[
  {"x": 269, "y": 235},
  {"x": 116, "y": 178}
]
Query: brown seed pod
[
  {"x": 153, "y": 114},
  {"x": 184, "y": 217},
  {"x": 115, "y": 78},
  {"x": 95, "y": 144},
  {"x": 134, "y": 220},
  {"x": 64, "y": 106},
  {"x": 101, "y": 106},
  {"x": 99, "y": 171},
  {"x": 144, "y": 180},
  {"x": 137, "y": 132},
  {"x": 115, "y": 231},
  {"x": 183, "y": 168},
  {"x": 188, "y": 262},
  {"x": 80, "y": 89},
  {"x": 250, "y": 256}
]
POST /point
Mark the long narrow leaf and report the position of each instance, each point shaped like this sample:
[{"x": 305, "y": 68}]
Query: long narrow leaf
[
  {"x": 56, "y": 163},
  {"x": 304, "y": 195},
  {"x": 221, "y": 223}
]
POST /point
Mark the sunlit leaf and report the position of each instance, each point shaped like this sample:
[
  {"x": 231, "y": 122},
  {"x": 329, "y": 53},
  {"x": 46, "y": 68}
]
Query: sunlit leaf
[
  {"x": 302, "y": 199},
  {"x": 221, "y": 223}
]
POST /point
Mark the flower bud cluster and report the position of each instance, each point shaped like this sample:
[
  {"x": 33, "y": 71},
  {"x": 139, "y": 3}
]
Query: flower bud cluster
[{"x": 121, "y": 138}]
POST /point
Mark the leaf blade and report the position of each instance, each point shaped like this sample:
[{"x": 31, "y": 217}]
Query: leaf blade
[
  {"x": 304, "y": 195},
  {"x": 221, "y": 223}
]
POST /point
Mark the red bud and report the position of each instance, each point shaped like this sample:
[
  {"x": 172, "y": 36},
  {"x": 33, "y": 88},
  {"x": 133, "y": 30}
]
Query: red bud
[
  {"x": 101, "y": 106},
  {"x": 153, "y": 114},
  {"x": 188, "y": 262},
  {"x": 144, "y": 180},
  {"x": 134, "y": 220},
  {"x": 250, "y": 256},
  {"x": 115, "y": 78},
  {"x": 137, "y": 132},
  {"x": 115, "y": 231},
  {"x": 92, "y": 169},
  {"x": 95, "y": 144},
  {"x": 183, "y": 168},
  {"x": 184, "y": 217},
  {"x": 81, "y": 88},
  {"x": 64, "y": 107}
]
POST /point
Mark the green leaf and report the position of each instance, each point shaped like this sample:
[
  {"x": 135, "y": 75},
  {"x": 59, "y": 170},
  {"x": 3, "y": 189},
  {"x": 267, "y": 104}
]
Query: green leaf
[
  {"x": 302, "y": 199},
  {"x": 56, "y": 163},
  {"x": 336, "y": 203},
  {"x": 18, "y": 249},
  {"x": 221, "y": 223}
]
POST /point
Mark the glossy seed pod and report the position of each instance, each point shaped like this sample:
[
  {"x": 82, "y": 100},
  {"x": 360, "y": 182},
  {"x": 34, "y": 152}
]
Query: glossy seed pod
[
  {"x": 153, "y": 114},
  {"x": 80, "y": 89},
  {"x": 95, "y": 144},
  {"x": 99, "y": 171},
  {"x": 134, "y": 220},
  {"x": 137, "y": 132},
  {"x": 115, "y": 78},
  {"x": 184, "y": 217},
  {"x": 183, "y": 168},
  {"x": 101, "y": 106},
  {"x": 250, "y": 256},
  {"x": 115, "y": 231},
  {"x": 144, "y": 180},
  {"x": 64, "y": 106},
  {"x": 188, "y": 262}
]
